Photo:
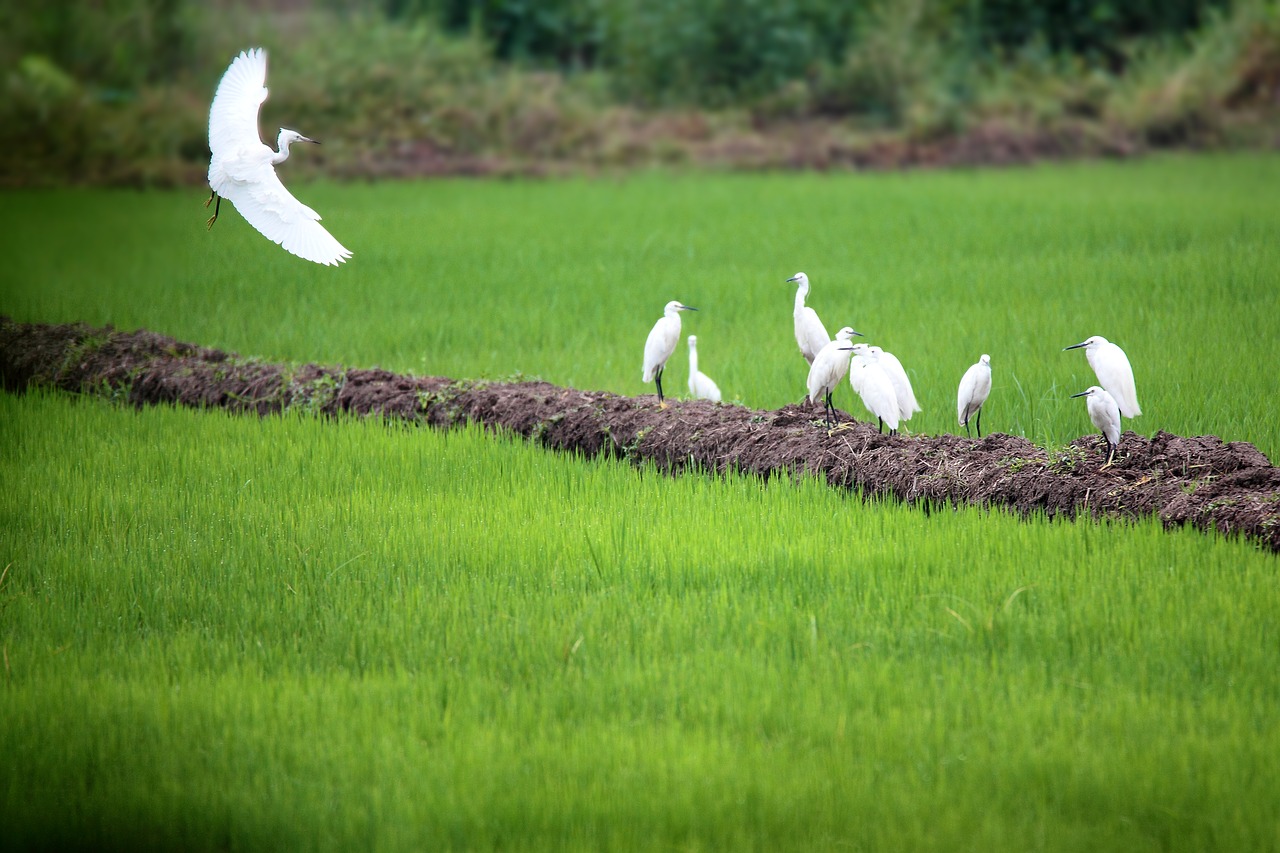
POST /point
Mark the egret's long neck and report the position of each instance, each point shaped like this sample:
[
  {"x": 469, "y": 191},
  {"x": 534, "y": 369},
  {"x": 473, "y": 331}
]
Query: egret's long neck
[
  {"x": 801, "y": 292},
  {"x": 282, "y": 143},
  {"x": 693, "y": 359}
]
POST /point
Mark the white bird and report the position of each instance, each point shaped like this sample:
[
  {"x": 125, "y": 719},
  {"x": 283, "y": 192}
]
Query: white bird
[
  {"x": 975, "y": 385},
  {"x": 872, "y": 383},
  {"x": 1111, "y": 366},
  {"x": 701, "y": 385},
  {"x": 1105, "y": 414},
  {"x": 828, "y": 368},
  {"x": 243, "y": 168},
  {"x": 811, "y": 335},
  {"x": 661, "y": 343},
  {"x": 907, "y": 405}
]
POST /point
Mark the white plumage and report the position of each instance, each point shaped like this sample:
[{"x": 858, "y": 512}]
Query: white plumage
[
  {"x": 242, "y": 169},
  {"x": 701, "y": 385},
  {"x": 661, "y": 343},
  {"x": 874, "y": 386},
  {"x": 907, "y": 405},
  {"x": 975, "y": 385},
  {"x": 1114, "y": 373},
  {"x": 811, "y": 335},
  {"x": 1104, "y": 411},
  {"x": 828, "y": 368}
]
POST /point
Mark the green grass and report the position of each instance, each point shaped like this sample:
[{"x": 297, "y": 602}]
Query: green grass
[
  {"x": 289, "y": 633},
  {"x": 273, "y": 634},
  {"x": 1174, "y": 259}
]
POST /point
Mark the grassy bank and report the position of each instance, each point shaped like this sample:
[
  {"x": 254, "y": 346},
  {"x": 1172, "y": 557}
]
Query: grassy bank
[{"x": 785, "y": 86}]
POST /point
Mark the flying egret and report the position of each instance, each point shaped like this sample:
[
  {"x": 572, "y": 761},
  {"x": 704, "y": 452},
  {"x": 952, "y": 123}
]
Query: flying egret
[
  {"x": 811, "y": 335},
  {"x": 701, "y": 385},
  {"x": 828, "y": 368},
  {"x": 907, "y": 405},
  {"x": 1104, "y": 411},
  {"x": 975, "y": 385},
  {"x": 874, "y": 386},
  {"x": 243, "y": 169},
  {"x": 1111, "y": 366},
  {"x": 661, "y": 343}
]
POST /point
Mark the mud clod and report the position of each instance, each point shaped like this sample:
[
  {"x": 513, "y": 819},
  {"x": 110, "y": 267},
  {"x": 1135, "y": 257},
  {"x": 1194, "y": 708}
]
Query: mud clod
[{"x": 1200, "y": 480}]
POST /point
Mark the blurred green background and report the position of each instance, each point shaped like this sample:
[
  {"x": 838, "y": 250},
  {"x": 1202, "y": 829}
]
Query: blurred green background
[{"x": 117, "y": 92}]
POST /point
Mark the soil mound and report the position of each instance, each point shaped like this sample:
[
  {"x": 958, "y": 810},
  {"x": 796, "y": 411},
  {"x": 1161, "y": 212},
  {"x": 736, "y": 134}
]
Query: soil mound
[{"x": 1203, "y": 481}]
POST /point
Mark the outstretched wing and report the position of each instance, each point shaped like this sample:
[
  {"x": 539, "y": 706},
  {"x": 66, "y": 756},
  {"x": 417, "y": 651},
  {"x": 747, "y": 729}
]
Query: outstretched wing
[
  {"x": 233, "y": 116},
  {"x": 268, "y": 206}
]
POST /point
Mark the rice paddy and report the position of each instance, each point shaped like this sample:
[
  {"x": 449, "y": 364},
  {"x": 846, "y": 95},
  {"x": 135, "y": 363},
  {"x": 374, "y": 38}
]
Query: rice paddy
[{"x": 251, "y": 634}]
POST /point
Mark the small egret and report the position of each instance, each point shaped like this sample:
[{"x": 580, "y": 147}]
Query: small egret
[
  {"x": 907, "y": 405},
  {"x": 828, "y": 368},
  {"x": 872, "y": 383},
  {"x": 701, "y": 385},
  {"x": 661, "y": 343},
  {"x": 243, "y": 169},
  {"x": 975, "y": 385},
  {"x": 1105, "y": 414},
  {"x": 1111, "y": 366},
  {"x": 811, "y": 335}
]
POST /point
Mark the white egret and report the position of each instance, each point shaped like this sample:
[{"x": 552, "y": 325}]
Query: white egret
[
  {"x": 907, "y": 405},
  {"x": 1104, "y": 411},
  {"x": 243, "y": 168},
  {"x": 874, "y": 386},
  {"x": 811, "y": 335},
  {"x": 975, "y": 385},
  {"x": 661, "y": 343},
  {"x": 828, "y": 368},
  {"x": 701, "y": 385},
  {"x": 1111, "y": 366}
]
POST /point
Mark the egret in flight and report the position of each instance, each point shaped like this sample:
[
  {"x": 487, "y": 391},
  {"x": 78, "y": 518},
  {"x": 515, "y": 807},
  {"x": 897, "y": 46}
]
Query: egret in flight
[
  {"x": 1111, "y": 366},
  {"x": 243, "y": 168},
  {"x": 828, "y": 368},
  {"x": 701, "y": 385},
  {"x": 1105, "y": 414},
  {"x": 811, "y": 335},
  {"x": 975, "y": 385},
  {"x": 907, "y": 405},
  {"x": 875, "y": 387},
  {"x": 661, "y": 343}
]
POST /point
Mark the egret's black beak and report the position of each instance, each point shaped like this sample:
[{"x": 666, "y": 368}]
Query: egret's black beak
[
  {"x": 793, "y": 278},
  {"x": 859, "y": 334},
  {"x": 688, "y": 308},
  {"x": 1081, "y": 394},
  {"x": 1075, "y": 346}
]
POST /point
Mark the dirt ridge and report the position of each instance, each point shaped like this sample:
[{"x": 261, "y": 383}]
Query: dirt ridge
[{"x": 1227, "y": 486}]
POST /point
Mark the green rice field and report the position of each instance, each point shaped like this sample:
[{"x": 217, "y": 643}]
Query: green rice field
[{"x": 228, "y": 633}]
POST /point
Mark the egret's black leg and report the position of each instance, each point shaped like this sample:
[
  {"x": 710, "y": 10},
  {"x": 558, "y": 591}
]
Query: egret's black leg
[
  {"x": 657, "y": 377},
  {"x": 979, "y": 423},
  {"x": 216, "y": 208},
  {"x": 966, "y": 428},
  {"x": 881, "y": 420}
]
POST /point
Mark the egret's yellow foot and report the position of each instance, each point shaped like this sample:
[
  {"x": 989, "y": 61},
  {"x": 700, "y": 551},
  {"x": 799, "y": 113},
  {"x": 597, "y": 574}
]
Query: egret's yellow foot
[
  {"x": 212, "y": 219},
  {"x": 664, "y": 405}
]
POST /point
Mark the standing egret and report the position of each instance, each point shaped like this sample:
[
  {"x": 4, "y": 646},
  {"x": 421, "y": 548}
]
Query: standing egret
[
  {"x": 828, "y": 368},
  {"x": 907, "y": 405},
  {"x": 811, "y": 335},
  {"x": 975, "y": 385},
  {"x": 874, "y": 386},
  {"x": 701, "y": 385},
  {"x": 661, "y": 343},
  {"x": 243, "y": 169},
  {"x": 1111, "y": 366},
  {"x": 1105, "y": 414}
]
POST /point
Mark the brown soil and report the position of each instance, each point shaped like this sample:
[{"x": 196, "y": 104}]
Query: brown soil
[{"x": 1231, "y": 487}]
